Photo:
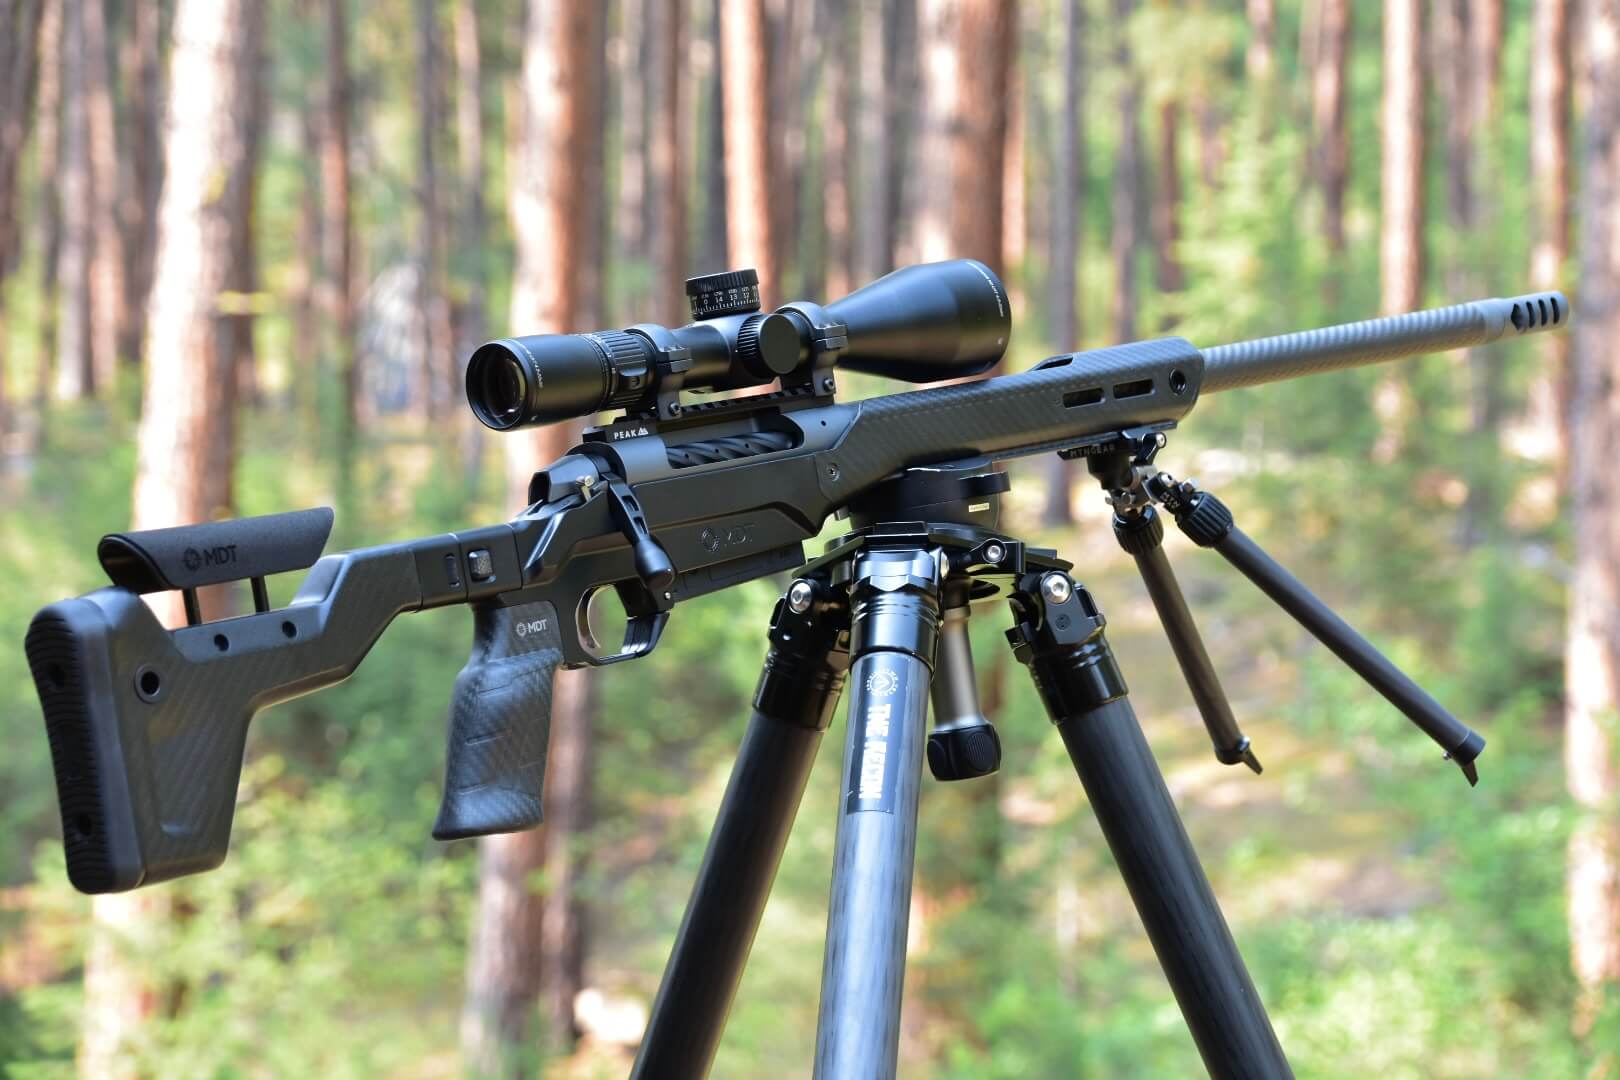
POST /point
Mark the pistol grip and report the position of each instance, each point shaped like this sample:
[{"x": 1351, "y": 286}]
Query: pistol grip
[{"x": 500, "y": 722}]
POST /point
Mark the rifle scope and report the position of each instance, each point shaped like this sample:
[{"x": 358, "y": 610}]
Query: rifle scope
[{"x": 920, "y": 323}]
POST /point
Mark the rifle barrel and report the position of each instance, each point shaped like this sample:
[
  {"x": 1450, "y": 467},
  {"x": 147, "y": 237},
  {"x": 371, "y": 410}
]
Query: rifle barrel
[{"x": 1249, "y": 363}]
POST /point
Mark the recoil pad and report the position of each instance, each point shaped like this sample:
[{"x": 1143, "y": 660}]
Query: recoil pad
[{"x": 500, "y": 722}]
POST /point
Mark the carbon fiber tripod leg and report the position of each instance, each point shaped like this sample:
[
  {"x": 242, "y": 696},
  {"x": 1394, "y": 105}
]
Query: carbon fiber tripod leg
[
  {"x": 1060, "y": 638},
  {"x": 798, "y": 691}
]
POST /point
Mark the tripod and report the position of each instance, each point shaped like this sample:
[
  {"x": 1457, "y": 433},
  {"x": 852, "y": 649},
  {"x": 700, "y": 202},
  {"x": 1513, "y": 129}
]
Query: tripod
[{"x": 885, "y": 609}]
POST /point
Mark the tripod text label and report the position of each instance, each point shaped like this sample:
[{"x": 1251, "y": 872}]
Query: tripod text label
[{"x": 872, "y": 778}]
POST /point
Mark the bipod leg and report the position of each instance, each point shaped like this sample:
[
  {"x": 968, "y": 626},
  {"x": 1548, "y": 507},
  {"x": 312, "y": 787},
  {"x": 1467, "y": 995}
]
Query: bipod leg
[
  {"x": 1208, "y": 523},
  {"x": 1059, "y": 637},
  {"x": 1140, "y": 531},
  {"x": 798, "y": 691}
]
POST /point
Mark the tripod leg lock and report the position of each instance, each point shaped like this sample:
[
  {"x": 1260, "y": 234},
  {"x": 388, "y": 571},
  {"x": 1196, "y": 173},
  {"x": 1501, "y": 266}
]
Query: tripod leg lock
[
  {"x": 1058, "y": 635},
  {"x": 809, "y": 656}
]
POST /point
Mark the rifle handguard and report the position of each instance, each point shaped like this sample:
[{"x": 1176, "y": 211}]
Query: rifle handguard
[{"x": 500, "y": 722}]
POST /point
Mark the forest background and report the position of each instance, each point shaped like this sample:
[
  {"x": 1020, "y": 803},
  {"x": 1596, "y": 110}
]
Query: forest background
[{"x": 246, "y": 246}]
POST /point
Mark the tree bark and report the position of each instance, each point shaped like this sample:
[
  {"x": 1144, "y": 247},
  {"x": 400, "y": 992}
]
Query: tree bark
[
  {"x": 75, "y": 370},
  {"x": 1592, "y": 651},
  {"x": 528, "y": 948},
  {"x": 49, "y": 219},
  {"x": 1126, "y": 237},
  {"x": 109, "y": 318},
  {"x": 19, "y": 62},
  {"x": 1260, "y": 61},
  {"x": 338, "y": 286},
  {"x": 21, "y": 45},
  {"x": 714, "y": 234},
  {"x": 965, "y": 64},
  {"x": 1068, "y": 197},
  {"x": 142, "y": 172},
  {"x": 631, "y": 52},
  {"x": 1328, "y": 113},
  {"x": 187, "y": 394},
  {"x": 874, "y": 255},
  {"x": 1550, "y": 186},
  {"x": 666, "y": 171},
  {"x": 836, "y": 152},
  {"x": 1401, "y": 261},
  {"x": 750, "y": 180},
  {"x": 1401, "y": 244},
  {"x": 470, "y": 319},
  {"x": 1167, "y": 201},
  {"x": 440, "y": 376}
]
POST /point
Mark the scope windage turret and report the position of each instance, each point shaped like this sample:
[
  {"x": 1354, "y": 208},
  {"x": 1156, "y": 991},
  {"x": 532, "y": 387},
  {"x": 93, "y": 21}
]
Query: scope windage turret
[{"x": 920, "y": 323}]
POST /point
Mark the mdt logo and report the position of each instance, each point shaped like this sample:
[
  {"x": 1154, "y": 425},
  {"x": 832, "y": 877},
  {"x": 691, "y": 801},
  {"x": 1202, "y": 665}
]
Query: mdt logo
[
  {"x": 214, "y": 556},
  {"x": 729, "y": 536},
  {"x": 532, "y": 626}
]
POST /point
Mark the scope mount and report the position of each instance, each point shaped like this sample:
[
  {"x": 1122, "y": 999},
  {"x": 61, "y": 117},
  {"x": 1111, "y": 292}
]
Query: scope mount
[{"x": 809, "y": 384}]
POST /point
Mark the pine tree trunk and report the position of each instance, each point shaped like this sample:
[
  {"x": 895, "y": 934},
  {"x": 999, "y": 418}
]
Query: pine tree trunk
[
  {"x": 666, "y": 169},
  {"x": 1401, "y": 229},
  {"x": 142, "y": 174},
  {"x": 441, "y": 372},
  {"x": 21, "y": 45},
  {"x": 48, "y": 231},
  {"x": 1260, "y": 60},
  {"x": 1592, "y": 651},
  {"x": 1401, "y": 247},
  {"x": 75, "y": 370},
  {"x": 1550, "y": 186},
  {"x": 19, "y": 56},
  {"x": 109, "y": 316},
  {"x": 1068, "y": 197},
  {"x": 188, "y": 393},
  {"x": 836, "y": 152},
  {"x": 470, "y": 318},
  {"x": 338, "y": 287},
  {"x": 1328, "y": 98},
  {"x": 965, "y": 54},
  {"x": 243, "y": 284},
  {"x": 1126, "y": 237},
  {"x": 528, "y": 948},
  {"x": 873, "y": 254},
  {"x": 750, "y": 181},
  {"x": 631, "y": 87},
  {"x": 986, "y": 34},
  {"x": 1167, "y": 201},
  {"x": 714, "y": 253}
]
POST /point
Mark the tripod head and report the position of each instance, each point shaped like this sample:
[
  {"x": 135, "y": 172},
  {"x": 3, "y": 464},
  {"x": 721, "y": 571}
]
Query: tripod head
[{"x": 672, "y": 501}]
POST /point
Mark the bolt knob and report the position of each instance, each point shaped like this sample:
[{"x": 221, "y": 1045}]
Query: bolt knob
[{"x": 731, "y": 292}]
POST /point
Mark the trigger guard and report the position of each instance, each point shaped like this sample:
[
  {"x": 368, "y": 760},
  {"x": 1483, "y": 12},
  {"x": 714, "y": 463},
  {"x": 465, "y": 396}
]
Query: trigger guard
[{"x": 646, "y": 618}]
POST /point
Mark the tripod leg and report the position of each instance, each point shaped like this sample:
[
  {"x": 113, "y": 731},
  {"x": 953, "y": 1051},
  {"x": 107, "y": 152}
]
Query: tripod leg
[
  {"x": 895, "y": 609},
  {"x": 798, "y": 691},
  {"x": 1060, "y": 638}
]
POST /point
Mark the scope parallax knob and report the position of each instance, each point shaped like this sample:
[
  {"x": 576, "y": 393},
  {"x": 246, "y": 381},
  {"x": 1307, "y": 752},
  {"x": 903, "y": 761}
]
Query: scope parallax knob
[
  {"x": 768, "y": 345},
  {"x": 730, "y": 292}
]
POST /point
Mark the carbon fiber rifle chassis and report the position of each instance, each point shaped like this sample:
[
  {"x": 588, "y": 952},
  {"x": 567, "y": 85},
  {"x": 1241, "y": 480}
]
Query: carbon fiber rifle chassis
[{"x": 148, "y": 724}]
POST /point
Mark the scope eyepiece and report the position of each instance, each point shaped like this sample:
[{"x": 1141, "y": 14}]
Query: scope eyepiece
[{"x": 921, "y": 323}]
